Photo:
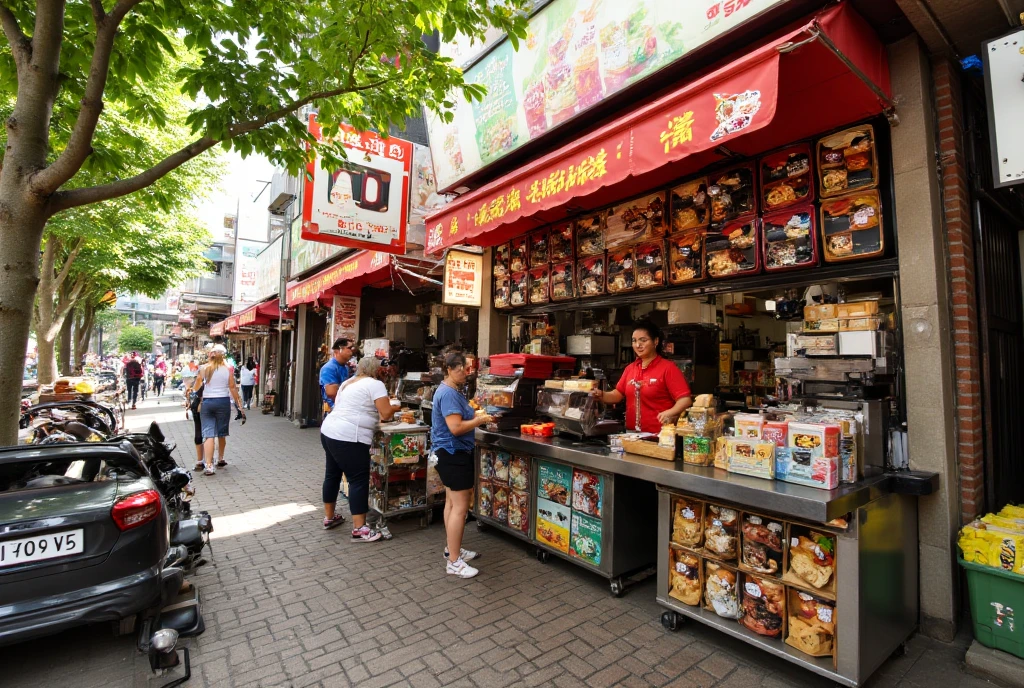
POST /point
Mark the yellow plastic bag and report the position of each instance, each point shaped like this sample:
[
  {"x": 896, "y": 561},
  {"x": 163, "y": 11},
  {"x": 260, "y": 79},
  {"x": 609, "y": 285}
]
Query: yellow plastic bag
[
  {"x": 84, "y": 387},
  {"x": 992, "y": 546}
]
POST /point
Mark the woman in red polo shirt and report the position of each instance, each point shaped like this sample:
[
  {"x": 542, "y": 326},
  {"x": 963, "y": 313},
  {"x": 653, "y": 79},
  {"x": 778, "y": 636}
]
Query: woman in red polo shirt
[{"x": 655, "y": 390}]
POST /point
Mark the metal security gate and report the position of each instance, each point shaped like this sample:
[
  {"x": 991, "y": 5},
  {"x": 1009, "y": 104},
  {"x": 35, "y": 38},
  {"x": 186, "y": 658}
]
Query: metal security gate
[{"x": 998, "y": 218}]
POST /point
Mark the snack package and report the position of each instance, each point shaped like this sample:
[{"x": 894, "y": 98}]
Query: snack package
[
  {"x": 761, "y": 548},
  {"x": 690, "y": 205},
  {"x": 721, "y": 590},
  {"x": 501, "y": 461},
  {"x": 748, "y": 425},
  {"x": 560, "y": 242},
  {"x": 519, "y": 510},
  {"x": 562, "y": 282},
  {"x": 812, "y": 624},
  {"x": 650, "y": 265},
  {"x": 538, "y": 244},
  {"x": 752, "y": 457},
  {"x": 502, "y": 293},
  {"x": 485, "y": 505},
  {"x": 590, "y": 234},
  {"x": 776, "y": 431},
  {"x": 684, "y": 577},
  {"x": 518, "y": 254},
  {"x": 722, "y": 452},
  {"x": 621, "y": 271},
  {"x": 812, "y": 457},
  {"x": 486, "y": 463},
  {"x": 519, "y": 473},
  {"x": 686, "y": 256},
  {"x": 538, "y": 285},
  {"x": 499, "y": 509},
  {"x": 687, "y": 521},
  {"x": 501, "y": 261},
  {"x": 720, "y": 531},
  {"x": 812, "y": 559},
  {"x": 764, "y": 605},
  {"x": 990, "y": 544},
  {"x": 632, "y": 222},
  {"x": 517, "y": 284},
  {"x": 590, "y": 276}
]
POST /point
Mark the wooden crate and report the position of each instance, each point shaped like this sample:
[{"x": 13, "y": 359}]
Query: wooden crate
[{"x": 648, "y": 448}]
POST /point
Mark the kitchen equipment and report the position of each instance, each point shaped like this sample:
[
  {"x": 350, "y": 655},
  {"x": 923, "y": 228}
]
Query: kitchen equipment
[{"x": 590, "y": 344}]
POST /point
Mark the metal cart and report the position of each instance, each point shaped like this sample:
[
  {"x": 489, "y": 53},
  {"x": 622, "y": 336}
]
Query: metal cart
[{"x": 401, "y": 482}]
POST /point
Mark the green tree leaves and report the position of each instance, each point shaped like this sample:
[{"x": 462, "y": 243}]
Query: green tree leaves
[{"x": 135, "y": 338}]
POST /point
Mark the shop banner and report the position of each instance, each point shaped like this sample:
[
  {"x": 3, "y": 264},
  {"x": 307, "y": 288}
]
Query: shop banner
[
  {"x": 463, "y": 277},
  {"x": 359, "y": 264},
  {"x": 268, "y": 270},
  {"x": 247, "y": 254},
  {"x": 577, "y": 53},
  {"x": 362, "y": 204},
  {"x": 424, "y": 198},
  {"x": 699, "y": 117},
  {"x": 217, "y": 329},
  {"x": 230, "y": 323},
  {"x": 346, "y": 318},
  {"x": 247, "y": 317}
]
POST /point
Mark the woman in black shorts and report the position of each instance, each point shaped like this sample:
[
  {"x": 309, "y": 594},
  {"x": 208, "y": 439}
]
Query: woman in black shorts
[{"x": 451, "y": 437}]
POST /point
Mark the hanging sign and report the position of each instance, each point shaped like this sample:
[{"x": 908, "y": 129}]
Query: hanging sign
[
  {"x": 364, "y": 203},
  {"x": 346, "y": 317},
  {"x": 463, "y": 273}
]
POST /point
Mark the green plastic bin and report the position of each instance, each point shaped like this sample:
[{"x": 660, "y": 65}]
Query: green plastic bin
[{"x": 997, "y": 598}]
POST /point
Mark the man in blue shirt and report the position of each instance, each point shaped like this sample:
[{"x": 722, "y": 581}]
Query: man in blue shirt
[{"x": 335, "y": 371}]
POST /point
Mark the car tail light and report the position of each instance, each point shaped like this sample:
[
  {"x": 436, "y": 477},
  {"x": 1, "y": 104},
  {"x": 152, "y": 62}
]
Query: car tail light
[{"x": 136, "y": 510}]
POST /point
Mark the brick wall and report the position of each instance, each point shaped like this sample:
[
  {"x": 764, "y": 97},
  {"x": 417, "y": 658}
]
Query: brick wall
[{"x": 963, "y": 299}]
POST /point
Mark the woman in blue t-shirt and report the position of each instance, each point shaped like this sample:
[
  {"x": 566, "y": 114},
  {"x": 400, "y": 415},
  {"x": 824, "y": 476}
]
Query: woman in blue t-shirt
[{"x": 451, "y": 436}]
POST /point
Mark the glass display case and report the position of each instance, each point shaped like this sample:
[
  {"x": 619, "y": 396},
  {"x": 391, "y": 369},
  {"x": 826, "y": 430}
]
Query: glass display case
[
  {"x": 415, "y": 388},
  {"x": 508, "y": 398},
  {"x": 575, "y": 413}
]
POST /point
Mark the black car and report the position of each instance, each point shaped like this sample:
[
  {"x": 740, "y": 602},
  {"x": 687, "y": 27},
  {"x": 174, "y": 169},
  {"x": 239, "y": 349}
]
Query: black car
[{"x": 83, "y": 538}]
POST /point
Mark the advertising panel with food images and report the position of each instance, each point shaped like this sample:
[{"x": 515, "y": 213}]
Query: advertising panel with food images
[
  {"x": 585, "y": 538},
  {"x": 553, "y": 520},
  {"x": 554, "y": 482}
]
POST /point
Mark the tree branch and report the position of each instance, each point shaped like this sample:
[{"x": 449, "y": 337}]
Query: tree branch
[
  {"x": 74, "y": 198},
  {"x": 66, "y": 304},
  {"x": 71, "y": 159},
  {"x": 67, "y": 263},
  {"x": 20, "y": 45}
]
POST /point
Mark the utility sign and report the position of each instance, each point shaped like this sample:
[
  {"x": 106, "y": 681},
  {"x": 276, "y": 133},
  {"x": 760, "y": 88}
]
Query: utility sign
[{"x": 1004, "y": 85}]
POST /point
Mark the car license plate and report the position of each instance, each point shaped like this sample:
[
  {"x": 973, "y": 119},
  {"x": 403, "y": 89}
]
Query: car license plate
[{"x": 50, "y": 546}]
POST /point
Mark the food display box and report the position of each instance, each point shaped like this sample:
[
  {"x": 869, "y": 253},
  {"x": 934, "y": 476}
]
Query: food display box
[
  {"x": 851, "y": 227},
  {"x": 518, "y": 289},
  {"x": 539, "y": 249},
  {"x": 518, "y": 254},
  {"x": 733, "y": 250},
  {"x": 786, "y": 178},
  {"x": 636, "y": 221},
  {"x": 560, "y": 242},
  {"x": 538, "y": 285},
  {"x": 790, "y": 239},
  {"x": 650, "y": 265},
  {"x": 563, "y": 281},
  {"x": 621, "y": 270},
  {"x": 686, "y": 256},
  {"x": 792, "y": 588},
  {"x": 399, "y": 480},
  {"x": 501, "y": 261},
  {"x": 847, "y": 161},
  {"x": 689, "y": 204},
  {"x": 590, "y": 230},
  {"x": 732, "y": 194},
  {"x": 590, "y": 275},
  {"x": 502, "y": 293}
]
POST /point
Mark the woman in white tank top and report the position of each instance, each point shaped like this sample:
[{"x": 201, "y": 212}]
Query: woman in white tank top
[{"x": 215, "y": 414}]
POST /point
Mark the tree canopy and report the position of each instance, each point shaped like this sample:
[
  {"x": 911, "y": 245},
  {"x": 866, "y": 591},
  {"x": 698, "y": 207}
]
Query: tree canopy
[{"x": 135, "y": 338}]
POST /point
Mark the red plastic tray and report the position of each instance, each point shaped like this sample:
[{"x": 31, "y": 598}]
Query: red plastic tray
[{"x": 534, "y": 366}]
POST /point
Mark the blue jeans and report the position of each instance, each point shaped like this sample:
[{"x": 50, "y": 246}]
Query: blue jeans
[{"x": 216, "y": 417}]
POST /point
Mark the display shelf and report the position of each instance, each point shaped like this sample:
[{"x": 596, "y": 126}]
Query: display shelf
[
  {"x": 492, "y": 522},
  {"x": 776, "y": 646}
]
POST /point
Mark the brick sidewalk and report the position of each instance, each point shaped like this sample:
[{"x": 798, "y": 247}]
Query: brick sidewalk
[{"x": 287, "y": 604}]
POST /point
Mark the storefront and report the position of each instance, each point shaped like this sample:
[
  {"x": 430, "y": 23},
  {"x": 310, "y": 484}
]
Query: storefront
[
  {"x": 256, "y": 332},
  {"x": 718, "y": 210}
]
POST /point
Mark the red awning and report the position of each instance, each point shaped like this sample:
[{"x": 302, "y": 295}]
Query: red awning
[
  {"x": 361, "y": 269},
  {"x": 806, "y": 80},
  {"x": 217, "y": 329},
  {"x": 265, "y": 313}
]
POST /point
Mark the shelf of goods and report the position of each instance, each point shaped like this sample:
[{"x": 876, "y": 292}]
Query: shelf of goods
[
  {"x": 401, "y": 482},
  {"x": 594, "y": 519}
]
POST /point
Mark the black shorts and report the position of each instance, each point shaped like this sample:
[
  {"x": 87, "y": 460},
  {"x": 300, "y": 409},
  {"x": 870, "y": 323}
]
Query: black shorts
[{"x": 455, "y": 470}]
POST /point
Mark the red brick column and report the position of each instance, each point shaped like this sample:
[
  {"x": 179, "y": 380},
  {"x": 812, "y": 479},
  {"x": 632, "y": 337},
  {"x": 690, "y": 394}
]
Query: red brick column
[{"x": 963, "y": 297}]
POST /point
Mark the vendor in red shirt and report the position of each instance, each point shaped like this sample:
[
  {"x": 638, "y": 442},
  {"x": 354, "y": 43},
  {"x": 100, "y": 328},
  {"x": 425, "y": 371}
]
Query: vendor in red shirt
[{"x": 654, "y": 388}]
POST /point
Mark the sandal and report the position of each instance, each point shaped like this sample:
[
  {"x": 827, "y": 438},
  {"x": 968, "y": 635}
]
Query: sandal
[
  {"x": 333, "y": 522},
  {"x": 222, "y": 463},
  {"x": 210, "y": 471}
]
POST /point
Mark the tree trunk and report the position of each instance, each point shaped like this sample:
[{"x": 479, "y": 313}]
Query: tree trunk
[
  {"x": 83, "y": 332},
  {"x": 46, "y": 307},
  {"x": 64, "y": 347},
  {"x": 21, "y": 233}
]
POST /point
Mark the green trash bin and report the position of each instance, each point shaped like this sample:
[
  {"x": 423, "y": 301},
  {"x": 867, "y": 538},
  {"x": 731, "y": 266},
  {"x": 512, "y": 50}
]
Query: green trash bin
[{"x": 996, "y": 597}]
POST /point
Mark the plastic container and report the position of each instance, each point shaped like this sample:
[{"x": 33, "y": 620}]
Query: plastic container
[{"x": 995, "y": 597}]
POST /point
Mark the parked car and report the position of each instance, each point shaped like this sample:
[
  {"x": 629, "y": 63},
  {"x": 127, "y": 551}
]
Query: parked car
[{"x": 84, "y": 535}]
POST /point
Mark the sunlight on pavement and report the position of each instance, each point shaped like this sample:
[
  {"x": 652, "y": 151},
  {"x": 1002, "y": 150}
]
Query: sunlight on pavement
[{"x": 257, "y": 519}]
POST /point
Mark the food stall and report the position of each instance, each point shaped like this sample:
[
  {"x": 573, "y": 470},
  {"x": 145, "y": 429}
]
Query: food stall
[{"x": 401, "y": 481}]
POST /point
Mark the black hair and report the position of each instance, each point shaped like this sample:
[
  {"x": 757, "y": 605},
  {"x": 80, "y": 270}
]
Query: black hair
[
  {"x": 250, "y": 364},
  {"x": 341, "y": 343},
  {"x": 652, "y": 330},
  {"x": 453, "y": 360}
]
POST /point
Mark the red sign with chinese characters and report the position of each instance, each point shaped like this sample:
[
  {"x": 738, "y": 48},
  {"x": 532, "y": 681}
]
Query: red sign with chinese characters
[
  {"x": 361, "y": 263},
  {"x": 365, "y": 202},
  {"x": 734, "y": 101}
]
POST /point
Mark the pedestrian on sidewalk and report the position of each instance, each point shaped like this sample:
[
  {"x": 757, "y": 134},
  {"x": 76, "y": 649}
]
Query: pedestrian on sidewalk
[
  {"x": 159, "y": 375},
  {"x": 248, "y": 378},
  {"x": 218, "y": 385},
  {"x": 193, "y": 400},
  {"x": 133, "y": 377},
  {"x": 335, "y": 371},
  {"x": 346, "y": 435},
  {"x": 451, "y": 436}
]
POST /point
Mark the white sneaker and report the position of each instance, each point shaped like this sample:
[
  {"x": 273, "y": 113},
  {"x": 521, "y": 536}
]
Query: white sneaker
[
  {"x": 461, "y": 569},
  {"x": 464, "y": 554}
]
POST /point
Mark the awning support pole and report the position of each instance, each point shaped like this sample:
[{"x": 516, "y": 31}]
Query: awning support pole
[{"x": 817, "y": 33}]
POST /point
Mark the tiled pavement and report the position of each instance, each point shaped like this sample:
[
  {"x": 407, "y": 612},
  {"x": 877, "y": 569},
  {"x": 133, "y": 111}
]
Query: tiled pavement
[{"x": 287, "y": 604}]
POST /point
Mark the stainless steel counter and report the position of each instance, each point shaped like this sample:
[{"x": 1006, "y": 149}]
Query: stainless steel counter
[{"x": 796, "y": 501}]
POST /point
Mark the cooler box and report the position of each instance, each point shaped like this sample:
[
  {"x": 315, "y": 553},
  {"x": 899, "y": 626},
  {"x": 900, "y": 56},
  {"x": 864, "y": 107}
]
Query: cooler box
[
  {"x": 534, "y": 366},
  {"x": 997, "y": 597}
]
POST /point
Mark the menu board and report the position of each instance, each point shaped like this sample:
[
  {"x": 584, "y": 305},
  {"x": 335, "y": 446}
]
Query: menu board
[{"x": 463, "y": 275}]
